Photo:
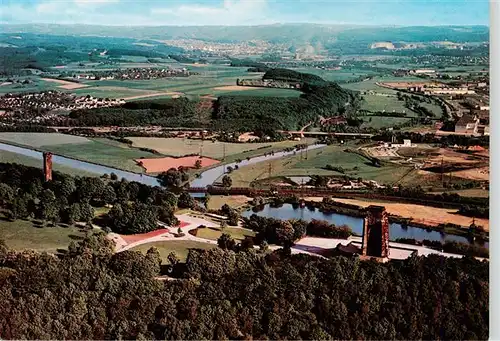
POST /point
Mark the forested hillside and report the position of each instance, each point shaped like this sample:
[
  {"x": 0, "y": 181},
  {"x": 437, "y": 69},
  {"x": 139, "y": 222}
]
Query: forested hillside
[
  {"x": 92, "y": 293},
  {"x": 292, "y": 76},
  {"x": 235, "y": 113}
]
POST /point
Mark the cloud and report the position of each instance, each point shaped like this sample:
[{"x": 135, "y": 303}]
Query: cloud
[
  {"x": 127, "y": 12},
  {"x": 231, "y": 12}
]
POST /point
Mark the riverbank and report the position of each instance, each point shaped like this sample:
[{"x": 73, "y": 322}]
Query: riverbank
[{"x": 427, "y": 216}]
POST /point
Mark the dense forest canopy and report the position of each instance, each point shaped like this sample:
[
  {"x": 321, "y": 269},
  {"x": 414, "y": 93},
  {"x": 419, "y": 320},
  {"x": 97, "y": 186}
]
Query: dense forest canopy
[
  {"x": 292, "y": 76},
  {"x": 93, "y": 293},
  {"x": 137, "y": 208}
]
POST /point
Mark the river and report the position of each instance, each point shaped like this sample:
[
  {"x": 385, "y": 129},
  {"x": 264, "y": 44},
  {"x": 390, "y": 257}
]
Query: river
[
  {"x": 209, "y": 176},
  {"x": 287, "y": 211},
  {"x": 206, "y": 178}
]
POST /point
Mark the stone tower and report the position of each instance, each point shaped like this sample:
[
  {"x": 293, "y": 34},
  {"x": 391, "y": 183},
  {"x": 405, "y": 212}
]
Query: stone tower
[
  {"x": 47, "y": 166},
  {"x": 375, "y": 241}
]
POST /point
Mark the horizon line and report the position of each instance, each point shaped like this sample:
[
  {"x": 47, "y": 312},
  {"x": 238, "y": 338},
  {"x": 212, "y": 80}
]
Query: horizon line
[{"x": 256, "y": 25}]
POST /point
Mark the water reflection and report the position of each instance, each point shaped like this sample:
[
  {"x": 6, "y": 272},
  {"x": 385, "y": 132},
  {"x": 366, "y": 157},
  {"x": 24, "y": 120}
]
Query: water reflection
[{"x": 289, "y": 211}]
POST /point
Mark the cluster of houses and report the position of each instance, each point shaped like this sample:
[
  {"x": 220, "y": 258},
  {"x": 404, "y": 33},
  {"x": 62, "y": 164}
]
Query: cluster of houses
[
  {"x": 135, "y": 74},
  {"x": 37, "y": 107},
  {"x": 267, "y": 83}
]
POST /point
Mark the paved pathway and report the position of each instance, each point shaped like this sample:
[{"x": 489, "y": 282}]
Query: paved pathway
[{"x": 307, "y": 245}]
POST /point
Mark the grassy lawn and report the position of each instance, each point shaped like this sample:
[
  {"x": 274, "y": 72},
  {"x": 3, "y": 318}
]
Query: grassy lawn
[
  {"x": 181, "y": 147},
  {"x": 103, "y": 151},
  {"x": 235, "y": 233},
  {"x": 234, "y": 201},
  {"x": 41, "y": 139},
  {"x": 181, "y": 248},
  {"x": 9, "y": 157},
  {"x": 24, "y": 235}
]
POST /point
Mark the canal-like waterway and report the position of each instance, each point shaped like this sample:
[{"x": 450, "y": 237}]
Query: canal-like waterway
[{"x": 287, "y": 211}]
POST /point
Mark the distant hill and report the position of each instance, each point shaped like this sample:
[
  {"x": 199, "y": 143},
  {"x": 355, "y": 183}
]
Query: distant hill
[{"x": 279, "y": 33}]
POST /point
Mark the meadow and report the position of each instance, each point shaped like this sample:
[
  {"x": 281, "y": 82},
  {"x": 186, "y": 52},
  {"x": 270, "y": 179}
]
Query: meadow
[
  {"x": 378, "y": 122},
  {"x": 26, "y": 235},
  {"x": 37, "y": 140},
  {"x": 387, "y": 103},
  {"x": 103, "y": 151},
  {"x": 179, "y": 247},
  {"x": 9, "y": 157},
  {"x": 354, "y": 165}
]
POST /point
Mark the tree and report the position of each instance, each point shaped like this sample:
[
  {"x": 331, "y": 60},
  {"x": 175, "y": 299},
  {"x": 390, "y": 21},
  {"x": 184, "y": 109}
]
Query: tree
[
  {"x": 197, "y": 164},
  {"x": 108, "y": 195},
  {"x": 227, "y": 181},
  {"x": 186, "y": 200},
  {"x": 133, "y": 219},
  {"x": 90, "y": 188},
  {"x": 6, "y": 194},
  {"x": 285, "y": 232},
  {"x": 113, "y": 176},
  {"x": 226, "y": 242},
  {"x": 49, "y": 209},
  {"x": 20, "y": 207},
  {"x": 172, "y": 178},
  {"x": 86, "y": 212},
  {"x": 166, "y": 215},
  {"x": 73, "y": 213},
  {"x": 173, "y": 259}
]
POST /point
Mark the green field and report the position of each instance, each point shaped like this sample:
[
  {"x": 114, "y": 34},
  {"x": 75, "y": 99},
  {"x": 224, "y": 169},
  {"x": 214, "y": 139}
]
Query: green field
[
  {"x": 378, "y": 122},
  {"x": 298, "y": 165},
  {"x": 37, "y": 140},
  {"x": 269, "y": 92},
  {"x": 236, "y": 233},
  {"x": 111, "y": 92},
  {"x": 103, "y": 151},
  {"x": 181, "y": 248},
  {"x": 9, "y": 157},
  {"x": 216, "y": 150},
  {"x": 370, "y": 84},
  {"x": 36, "y": 86},
  {"x": 388, "y": 103},
  {"x": 25, "y": 235},
  {"x": 337, "y": 75}
]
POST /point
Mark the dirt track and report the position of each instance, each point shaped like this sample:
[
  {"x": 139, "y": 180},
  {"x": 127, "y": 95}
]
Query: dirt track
[
  {"x": 154, "y": 95},
  {"x": 65, "y": 84},
  {"x": 235, "y": 88}
]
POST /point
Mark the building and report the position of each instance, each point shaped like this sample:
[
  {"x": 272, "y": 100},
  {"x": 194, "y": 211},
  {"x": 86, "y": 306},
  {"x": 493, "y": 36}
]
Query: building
[
  {"x": 448, "y": 91},
  {"x": 47, "y": 166},
  {"x": 336, "y": 120},
  {"x": 467, "y": 124},
  {"x": 421, "y": 71},
  {"x": 375, "y": 240}
]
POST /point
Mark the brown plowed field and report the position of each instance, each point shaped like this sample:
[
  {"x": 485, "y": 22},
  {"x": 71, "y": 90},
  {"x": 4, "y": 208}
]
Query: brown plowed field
[{"x": 163, "y": 164}]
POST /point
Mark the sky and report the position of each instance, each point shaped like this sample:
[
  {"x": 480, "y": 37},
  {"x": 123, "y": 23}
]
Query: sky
[{"x": 245, "y": 12}]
